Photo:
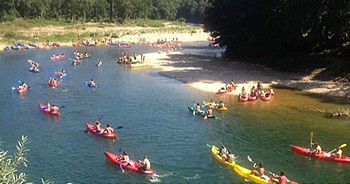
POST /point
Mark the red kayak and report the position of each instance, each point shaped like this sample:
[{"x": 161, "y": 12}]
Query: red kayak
[
  {"x": 21, "y": 89},
  {"x": 251, "y": 98},
  {"x": 90, "y": 128},
  {"x": 131, "y": 165},
  {"x": 53, "y": 85},
  {"x": 44, "y": 109},
  {"x": 243, "y": 98},
  {"x": 324, "y": 155}
]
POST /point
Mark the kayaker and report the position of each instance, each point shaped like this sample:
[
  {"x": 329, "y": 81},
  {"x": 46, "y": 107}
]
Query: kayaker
[
  {"x": 23, "y": 85},
  {"x": 233, "y": 85},
  {"x": 260, "y": 87},
  {"x": 281, "y": 179},
  {"x": 99, "y": 62},
  {"x": 244, "y": 93},
  {"x": 210, "y": 111},
  {"x": 108, "y": 130},
  {"x": 91, "y": 83},
  {"x": 223, "y": 151},
  {"x": 338, "y": 153},
  {"x": 318, "y": 149},
  {"x": 260, "y": 171},
  {"x": 231, "y": 158},
  {"x": 146, "y": 164},
  {"x": 63, "y": 71},
  {"x": 125, "y": 157},
  {"x": 198, "y": 107},
  {"x": 54, "y": 109},
  {"x": 97, "y": 126},
  {"x": 221, "y": 105}
]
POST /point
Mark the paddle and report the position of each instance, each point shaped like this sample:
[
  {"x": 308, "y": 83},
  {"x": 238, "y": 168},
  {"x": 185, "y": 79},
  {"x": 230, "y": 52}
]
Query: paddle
[
  {"x": 120, "y": 164},
  {"x": 341, "y": 146},
  {"x": 311, "y": 136},
  {"x": 225, "y": 147},
  {"x": 250, "y": 160},
  {"x": 208, "y": 145}
]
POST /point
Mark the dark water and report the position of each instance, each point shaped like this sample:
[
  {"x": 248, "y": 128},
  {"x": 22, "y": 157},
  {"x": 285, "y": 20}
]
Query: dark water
[{"x": 153, "y": 112}]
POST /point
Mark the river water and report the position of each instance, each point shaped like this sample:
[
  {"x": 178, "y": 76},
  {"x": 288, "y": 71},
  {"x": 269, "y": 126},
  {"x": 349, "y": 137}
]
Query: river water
[{"x": 153, "y": 112}]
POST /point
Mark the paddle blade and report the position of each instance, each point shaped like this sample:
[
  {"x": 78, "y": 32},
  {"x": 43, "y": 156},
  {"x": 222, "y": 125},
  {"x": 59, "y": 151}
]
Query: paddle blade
[
  {"x": 343, "y": 145},
  {"x": 19, "y": 81},
  {"x": 250, "y": 159},
  {"x": 120, "y": 150},
  {"x": 311, "y": 135},
  {"x": 120, "y": 127},
  {"x": 121, "y": 167},
  {"x": 62, "y": 106},
  {"x": 13, "y": 88},
  {"x": 208, "y": 145}
]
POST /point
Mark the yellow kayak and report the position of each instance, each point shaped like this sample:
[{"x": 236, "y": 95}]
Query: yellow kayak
[
  {"x": 248, "y": 174},
  {"x": 244, "y": 172},
  {"x": 214, "y": 107},
  {"x": 138, "y": 65},
  {"x": 215, "y": 152}
]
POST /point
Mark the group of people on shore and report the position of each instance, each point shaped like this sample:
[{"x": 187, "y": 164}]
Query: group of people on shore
[{"x": 128, "y": 59}]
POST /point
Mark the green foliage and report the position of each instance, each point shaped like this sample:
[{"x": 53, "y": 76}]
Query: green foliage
[
  {"x": 9, "y": 164},
  {"x": 10, "y": 35}
]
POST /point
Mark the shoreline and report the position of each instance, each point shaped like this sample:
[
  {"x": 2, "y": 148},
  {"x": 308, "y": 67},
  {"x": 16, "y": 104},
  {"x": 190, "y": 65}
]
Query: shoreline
[{"x": 209, "y": 74}]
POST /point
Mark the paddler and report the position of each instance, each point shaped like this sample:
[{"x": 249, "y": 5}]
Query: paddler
[
  {"x": 54, "y": 109},
  {"x": 146, "y": 164},
  {"x": 108, "y": 130}
]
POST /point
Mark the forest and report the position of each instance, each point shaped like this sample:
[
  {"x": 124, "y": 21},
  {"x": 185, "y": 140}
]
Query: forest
[
  {"x": 286, "y": 31},
  {"x": 103, "y": 10}
]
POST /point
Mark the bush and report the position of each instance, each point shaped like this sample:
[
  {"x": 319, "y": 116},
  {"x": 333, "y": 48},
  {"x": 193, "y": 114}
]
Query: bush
[{"x": 10, "y": 35}]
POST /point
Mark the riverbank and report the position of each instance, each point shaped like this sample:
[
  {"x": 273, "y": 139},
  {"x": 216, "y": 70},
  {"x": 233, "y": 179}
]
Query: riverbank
[{"x": 209, "y": 73}]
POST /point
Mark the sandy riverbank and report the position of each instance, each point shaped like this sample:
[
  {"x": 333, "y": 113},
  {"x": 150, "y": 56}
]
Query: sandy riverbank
[{"x": 210, "y": 74}]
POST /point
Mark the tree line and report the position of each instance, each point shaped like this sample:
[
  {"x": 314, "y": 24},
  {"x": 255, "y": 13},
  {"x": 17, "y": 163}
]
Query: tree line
[
  {"x": 280, "y": 28},
  {"x": 103, "y": 10}
]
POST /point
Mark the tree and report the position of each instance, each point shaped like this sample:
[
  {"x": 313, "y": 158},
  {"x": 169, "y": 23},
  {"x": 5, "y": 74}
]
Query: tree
[{"x": 9, "y": 164}]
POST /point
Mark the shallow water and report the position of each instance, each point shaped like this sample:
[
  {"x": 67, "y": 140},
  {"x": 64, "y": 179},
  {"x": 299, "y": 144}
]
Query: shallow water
[{"x": 153, "y": 112}]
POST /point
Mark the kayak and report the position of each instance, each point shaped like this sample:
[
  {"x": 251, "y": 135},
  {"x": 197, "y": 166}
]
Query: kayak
[
  {"x": 21, "y": 89},
  {"x": 242, "y": 98},
  {"x": 215, "y": 152},
  {"x": 90, "y": 85},
  {"x": 246, "y": 173},
  {"x": 251, "y": 98},
  {"x": 323, "y": 156},
  {"x": 202, "y": 113},
  {"x": 214, "y": 107},
  {"x": 44, "y": 109},
  {"x": 35, "y": 70},
  {"x": 266, "y": 98},
  {"x": 58, "y": 57},
  {"x": 90, "y": 128},
  {"x": 64, "y": 75},
  {"x": 131, "y": 165},
  {"x": 53, "y": 85}
]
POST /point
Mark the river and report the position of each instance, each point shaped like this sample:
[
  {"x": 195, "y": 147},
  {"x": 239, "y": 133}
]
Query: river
[{"x": 153, "y": 112}]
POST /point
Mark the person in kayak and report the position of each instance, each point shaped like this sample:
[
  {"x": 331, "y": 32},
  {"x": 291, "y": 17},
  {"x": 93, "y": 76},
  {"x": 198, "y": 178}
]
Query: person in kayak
[
  {"x": 198, "y": 108},
  {"x": 212, "y": 103},
  {"x": 244, "y": 93},
  {"x": 91, "y": 83},
  {"x": 210, "y": 111},
  {"x": 63, "y": 71},
  {"x": 260, "y": 171},
  {"x": 318, "y": 149},
  {"x": 223, "y": 152},
  {"x": 259, "y": 86},
  {"x": 125, "y": 157},
  {"x": 108, "y": 130},
  {"x": 146, "y": 164},
  {"x": 23, "y": 85},
  {"x": 281, "y": 179},
  {"x": 54, "y": 109},
  {"x": 338, "y": 153},
  {"x": 221, "y": 105},
  {"x": 97, "y": 127},
  {"x": 99, "y": 62}
]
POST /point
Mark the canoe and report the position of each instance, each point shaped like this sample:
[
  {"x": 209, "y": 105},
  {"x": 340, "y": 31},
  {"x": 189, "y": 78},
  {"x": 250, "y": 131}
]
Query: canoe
[
  {"x": 323, "y": 156},
  {"x": 44, "y": 109},
  {"x": 90, "y": 128},
  {"x": 58, "y": 57},
  {"x": 242, "y": 98},
  {"x": 215, "y": 153},
  {"x": 131, "y": 165},
  {"x": 138, "y": 65},
  {"x": 21, "y": 89},
  {"x": 199, "y": 113}
]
